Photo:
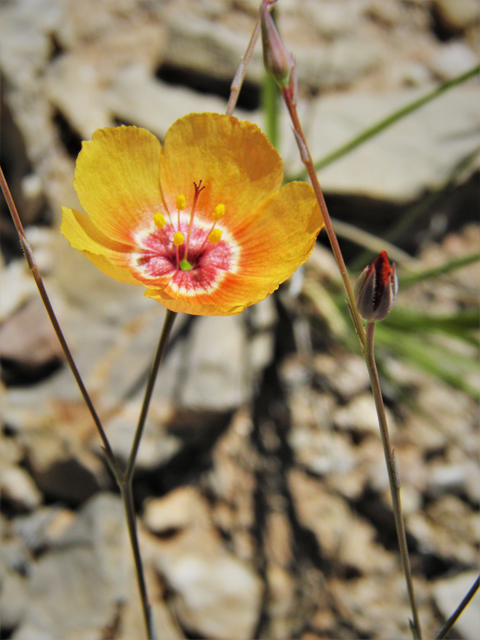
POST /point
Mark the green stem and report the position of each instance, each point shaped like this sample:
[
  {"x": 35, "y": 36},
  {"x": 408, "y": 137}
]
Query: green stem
[
  {"x": 270, "y": 94},
  {"x": 392, "y": 472},
  {"x": 162, "y": 344}
]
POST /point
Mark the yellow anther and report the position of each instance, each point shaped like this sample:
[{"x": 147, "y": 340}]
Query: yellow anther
[
  {"x": 215, "y": 236},
  {"x": 178, "y": 239},
  {"x": 159, "y": 220},
  {"x": 218, "y": 212},
  {"x": 181, "y": 202}
]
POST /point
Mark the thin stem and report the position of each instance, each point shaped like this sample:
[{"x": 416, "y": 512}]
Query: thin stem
[
  {"x": 307, "y": 160},
  {"x": 125, "y": 483},
  {"x": 458, "y": 611},
  {"x": 241, "y": 71},
  {"x": 392, "y": 472},
  {"x": 162, "y": 344},
  {"x": 32, "y": 264},
  {"x": 127, "y": 497}
]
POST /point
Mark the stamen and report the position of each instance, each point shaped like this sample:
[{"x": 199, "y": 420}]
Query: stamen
[
  {"x": 215, "y": 236},
  {"x": 181, "y": 202},
  {"x": 178, "y": 239},
  {"x": 218, "y": 212},
  {"x": 159, "y": 220},
  {"x": 198, "y": 190}
]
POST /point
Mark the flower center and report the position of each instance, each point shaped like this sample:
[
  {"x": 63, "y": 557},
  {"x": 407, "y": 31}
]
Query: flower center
[{"x": 183, "y": 246}]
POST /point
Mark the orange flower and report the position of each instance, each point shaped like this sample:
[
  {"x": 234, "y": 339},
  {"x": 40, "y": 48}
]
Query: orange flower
[{"x": 203, "y": 223}]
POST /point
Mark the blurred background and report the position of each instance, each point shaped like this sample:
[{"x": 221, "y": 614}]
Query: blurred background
[{"x": 261, "y": 488}]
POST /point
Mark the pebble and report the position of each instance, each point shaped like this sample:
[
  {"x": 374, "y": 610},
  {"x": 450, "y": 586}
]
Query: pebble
[
  {"x": 360, "y": 415},
  {"x": 454, "y": 59},
  {"x": 18, "y": 488},
  {"x": 456, "y": 15},
  {"x": 216, "y": 595}
]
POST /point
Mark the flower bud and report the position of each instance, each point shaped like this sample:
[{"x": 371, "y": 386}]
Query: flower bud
[
  {"x": 376, "y": 289},
  {"x": 278, "y": 60}
]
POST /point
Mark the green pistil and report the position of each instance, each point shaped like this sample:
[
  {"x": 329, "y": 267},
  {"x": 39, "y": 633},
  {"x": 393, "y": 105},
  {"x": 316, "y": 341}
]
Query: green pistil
[{"x": 185, "y": 265}]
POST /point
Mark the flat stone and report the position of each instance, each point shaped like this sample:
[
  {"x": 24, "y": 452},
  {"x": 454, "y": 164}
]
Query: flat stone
[
  {"x": 74, "y": 590},
  {"x": 135, "y": 96},
  {"x": 17, "y": 286},
  {"x": 73, "y": 87},
  {"x": 361, "y": 415},
  {"x": 416, "y": 154},
  {"x": 13, "y": 599},
  {"x": 18, "y": 487},
  {"x": 216, "y": 595},
  {"x": 457, "y": 14}
]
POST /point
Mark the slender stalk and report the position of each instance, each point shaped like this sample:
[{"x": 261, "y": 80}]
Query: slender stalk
[
  {"x": 392, "y": 472},
  {"x": 32, "y": 264},
  {"x": 126, "y": 481},
  {"x": 241, "y": 71},
  {"x": 458, "y": 611},
  {"x": 162, "y": 344},
  {"x": 129, "y": 508},
  {"x": 307, "y": 160}
]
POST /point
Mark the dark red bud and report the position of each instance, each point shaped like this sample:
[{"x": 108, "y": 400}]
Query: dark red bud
[{"x": 376, "y": 288}]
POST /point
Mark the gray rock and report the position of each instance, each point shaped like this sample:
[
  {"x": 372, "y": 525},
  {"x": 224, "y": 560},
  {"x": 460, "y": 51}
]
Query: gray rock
[
  {"x": 72, "y": 85},
  {"x": 42, "y": 528},
  {"x": 453, "y": 59},
  {"x": 28, "y": 340},
  {"x": 415, "y": 155},
  {"x": 338, "y": 65},
  {"x": 18, "y": 487},
  {"x": 457, "y": 14},
  {"x": 447, "y": 479},
  {"x": 210, "y": 48},
  {"x": 135, "y": 96},
  {"x": 74, "y": 590},
  {"x": 360, "y": 415},
  {"x": 13, "y": 599},
  {"x": 17, "y": 286},
  {"x": 216, "y": 595}
]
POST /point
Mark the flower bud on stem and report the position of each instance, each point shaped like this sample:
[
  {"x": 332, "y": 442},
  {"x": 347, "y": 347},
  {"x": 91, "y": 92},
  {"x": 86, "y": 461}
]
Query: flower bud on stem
[
  {"x": 377, "y": 288},
  {"x": 279, "y": 62}
]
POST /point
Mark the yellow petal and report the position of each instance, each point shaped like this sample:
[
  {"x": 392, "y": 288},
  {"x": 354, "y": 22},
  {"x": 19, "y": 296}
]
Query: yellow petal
[
  {"x": 117, "y": 180},
  {"x": 199, "y": 309},
  {"x": 234, "y": 160},
  {"x": 282, "y": 237},
  {"x": 109, "y": 256},
  {"x": 117, "y": 273}
]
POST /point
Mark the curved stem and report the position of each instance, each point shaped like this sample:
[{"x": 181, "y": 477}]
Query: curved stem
[
  {"x": 392, "y": 472},
  {"x": 32, "y": 264}
]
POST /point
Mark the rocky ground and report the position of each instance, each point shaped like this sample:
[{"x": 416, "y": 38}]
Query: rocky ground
[{"x": 261, "y": 489}]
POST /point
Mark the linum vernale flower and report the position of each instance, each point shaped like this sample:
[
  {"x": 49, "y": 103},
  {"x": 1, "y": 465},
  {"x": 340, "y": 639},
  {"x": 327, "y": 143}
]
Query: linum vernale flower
[
  {"x": 204, "y": 222},
  {"x": 376, "y": 288}
]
